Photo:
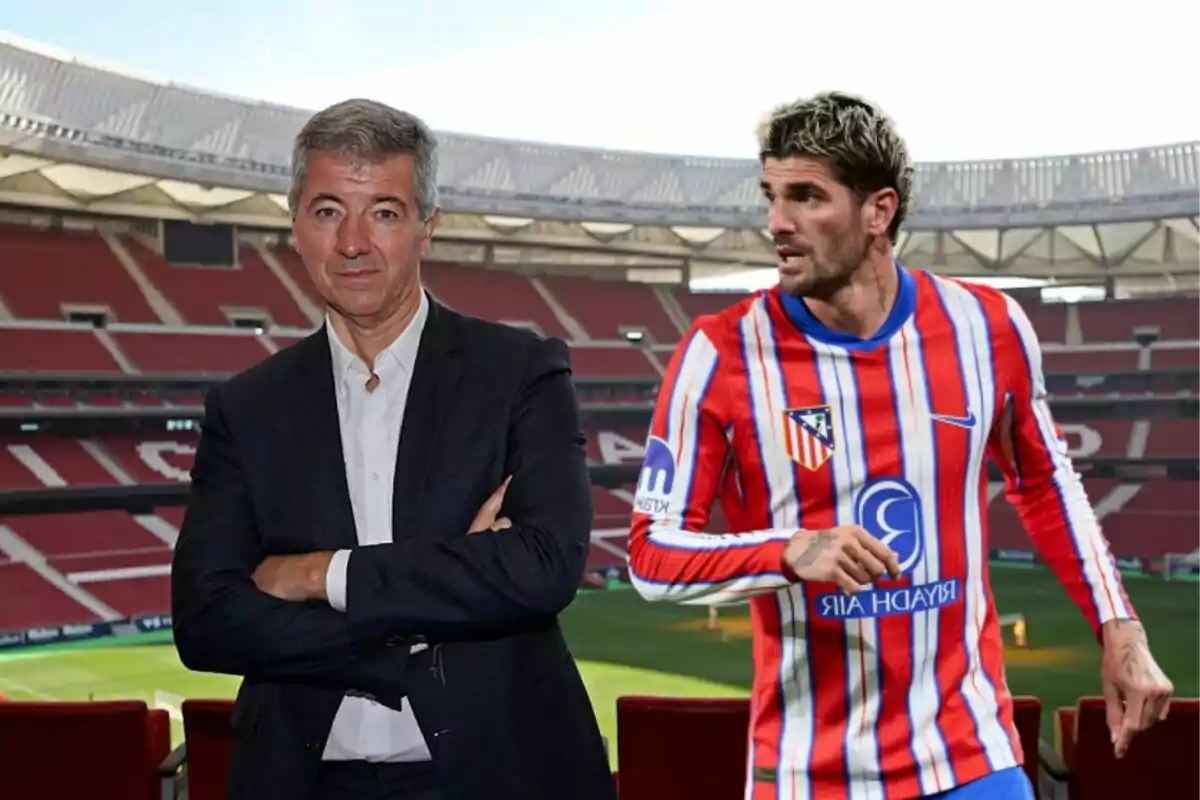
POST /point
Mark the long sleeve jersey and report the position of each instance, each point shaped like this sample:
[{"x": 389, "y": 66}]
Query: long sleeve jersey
[{"x": 897, "y": 691}]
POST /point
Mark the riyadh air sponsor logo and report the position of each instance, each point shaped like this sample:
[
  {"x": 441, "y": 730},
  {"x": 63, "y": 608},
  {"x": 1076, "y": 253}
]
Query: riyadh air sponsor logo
[
  {"x": 657, "y": 478},
  {"x": 886, "y": 602},
  {"x": 890, "y": 510}
]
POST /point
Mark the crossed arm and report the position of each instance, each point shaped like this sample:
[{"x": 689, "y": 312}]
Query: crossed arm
[
  {"x": 240, "y": 612},
  {"x": 221, "y": 621}
]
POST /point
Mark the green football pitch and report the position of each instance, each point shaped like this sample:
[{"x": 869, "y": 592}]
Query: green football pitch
[{"x": 627, "y": 646}]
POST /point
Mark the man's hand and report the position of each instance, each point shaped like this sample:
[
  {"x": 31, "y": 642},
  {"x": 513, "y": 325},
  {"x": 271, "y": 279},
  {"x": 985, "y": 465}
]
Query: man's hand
[
  {"x": 1136, "y": 691},
  {"x": 296, "y": 578},
  {"x": 846, "y": 555},
  {"x": 485, "y": 518}
]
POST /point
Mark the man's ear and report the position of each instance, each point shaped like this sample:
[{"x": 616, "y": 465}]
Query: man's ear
[{"x": 879, "y": 210}]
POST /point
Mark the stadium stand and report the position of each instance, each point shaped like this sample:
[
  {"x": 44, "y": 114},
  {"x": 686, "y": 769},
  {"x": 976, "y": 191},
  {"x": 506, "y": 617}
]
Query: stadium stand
[
  {"x": 67, "y": 569},
  {"x": 203, "y": 295},
  {"x": 108, "y": 340},
  {"x": 502, "y": 296},
  {"x": 122, "y": 559},
  {"x": 74, "y": 269},
  {"x": 54, "y": 350}
]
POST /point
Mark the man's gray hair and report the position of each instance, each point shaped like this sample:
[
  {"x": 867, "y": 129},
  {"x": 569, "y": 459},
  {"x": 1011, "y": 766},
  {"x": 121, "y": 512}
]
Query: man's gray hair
[{"x": 371, "y": 131}]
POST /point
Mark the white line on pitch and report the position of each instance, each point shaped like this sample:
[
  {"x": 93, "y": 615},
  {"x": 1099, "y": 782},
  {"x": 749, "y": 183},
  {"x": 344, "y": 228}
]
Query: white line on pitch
[{"x": 9, "y": 683}]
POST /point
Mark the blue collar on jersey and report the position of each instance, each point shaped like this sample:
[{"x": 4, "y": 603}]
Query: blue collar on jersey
[{"x": 902, "y": 309}]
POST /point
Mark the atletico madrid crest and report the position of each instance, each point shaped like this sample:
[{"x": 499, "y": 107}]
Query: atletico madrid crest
[{"x": 808, "y": 435}]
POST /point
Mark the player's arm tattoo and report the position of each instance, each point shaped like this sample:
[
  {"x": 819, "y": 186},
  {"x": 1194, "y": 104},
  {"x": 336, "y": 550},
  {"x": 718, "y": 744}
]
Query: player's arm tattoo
[
  {"x": 1133, "y": 663},
  {"x": 820, "y": 543},
  {"x": 1131, "y": 655}
]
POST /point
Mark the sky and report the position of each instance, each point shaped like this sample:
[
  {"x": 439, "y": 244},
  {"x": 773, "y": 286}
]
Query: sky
[{"x": 1022, "y": 78}]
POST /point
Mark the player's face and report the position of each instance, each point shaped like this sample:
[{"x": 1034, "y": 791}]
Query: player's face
[
  {"x": 360, "y": 234},
  {"x": 816, "y": 224}
]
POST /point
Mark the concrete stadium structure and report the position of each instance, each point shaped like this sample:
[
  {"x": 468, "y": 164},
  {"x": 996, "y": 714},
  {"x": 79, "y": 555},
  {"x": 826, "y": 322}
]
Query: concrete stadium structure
[{"x": 78, "y": 138}]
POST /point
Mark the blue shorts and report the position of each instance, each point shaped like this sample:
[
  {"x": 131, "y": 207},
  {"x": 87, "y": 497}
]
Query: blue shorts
[{"x": 1007, "y": 784}]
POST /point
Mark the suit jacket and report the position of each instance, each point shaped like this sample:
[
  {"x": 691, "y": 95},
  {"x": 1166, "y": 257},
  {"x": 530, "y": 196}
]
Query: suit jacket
[{"x": 496, "y": 692}]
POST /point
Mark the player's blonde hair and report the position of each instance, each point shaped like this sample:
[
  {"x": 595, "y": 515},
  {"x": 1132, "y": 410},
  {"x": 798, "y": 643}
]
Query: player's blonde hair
[{"x": 855, "y": 140}]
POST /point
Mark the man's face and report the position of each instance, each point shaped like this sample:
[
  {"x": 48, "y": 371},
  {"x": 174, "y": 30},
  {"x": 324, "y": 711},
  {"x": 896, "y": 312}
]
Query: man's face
[
  {"x": 816, "y": 224},
  {"x": 360, "y": 233}
]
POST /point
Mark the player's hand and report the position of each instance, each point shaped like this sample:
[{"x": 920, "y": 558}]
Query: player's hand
[
  {"x": 1136, "y": 691},
  {"x": 846, "y": 555},
  {"x": 486, "y": 518},
  {"x": 296, "y": 578}
]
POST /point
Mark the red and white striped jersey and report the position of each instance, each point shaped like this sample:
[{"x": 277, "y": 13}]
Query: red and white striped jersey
[{"x": 898, "y": 691}]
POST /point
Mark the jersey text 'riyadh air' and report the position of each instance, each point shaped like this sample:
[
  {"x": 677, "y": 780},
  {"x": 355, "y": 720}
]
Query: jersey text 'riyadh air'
[{"x": 899, "y": 690}]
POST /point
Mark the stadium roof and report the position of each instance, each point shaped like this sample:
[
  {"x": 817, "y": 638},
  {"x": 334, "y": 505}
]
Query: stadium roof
[{"x": 89, "y": 139}]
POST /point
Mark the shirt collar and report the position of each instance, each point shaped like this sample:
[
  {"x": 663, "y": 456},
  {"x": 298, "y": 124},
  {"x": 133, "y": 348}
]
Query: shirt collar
[
  {"x": 902, "y": 308},
  {"x": 401, "y": 353}
]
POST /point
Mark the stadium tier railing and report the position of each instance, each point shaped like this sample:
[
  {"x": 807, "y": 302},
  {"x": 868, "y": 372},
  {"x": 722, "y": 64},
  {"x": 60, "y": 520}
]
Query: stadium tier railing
[
  {"x": 1076, "y": 385},
  {"x": 144, "y": 498}
]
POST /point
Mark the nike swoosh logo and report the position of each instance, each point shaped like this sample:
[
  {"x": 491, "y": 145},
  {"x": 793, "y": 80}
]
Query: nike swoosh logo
[{"x": 963, "y": 422}]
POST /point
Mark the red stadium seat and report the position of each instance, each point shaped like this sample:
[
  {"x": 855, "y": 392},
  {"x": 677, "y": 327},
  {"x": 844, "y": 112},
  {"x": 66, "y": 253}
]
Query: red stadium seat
[
  {"x": 201, "y": 294},
  {"x": 1115, "y": 320},
  {"x": 209, "y": 736},
  {"x": 661, "y": 742},
  {"x": 699, "y": 304},
  {"x": 617, "y": 362},
  {"x": 28, "y": 600},
  {"x": 1161, "y": 762},
  {"x": 604, "y": 308},
  {"x": 46, "y": 271},
  {"x": 1027, "y": 716},
  {"x": 1090, "y": 360},
  {"x": 492, "y": 294},
  {"x": 289, "y": 259},
  {"x": 54, "y": 350},
  {"x": 173, "y": 351},
  {"x": 1064, "y": 733},
  {"x": 94, "y": 751}
]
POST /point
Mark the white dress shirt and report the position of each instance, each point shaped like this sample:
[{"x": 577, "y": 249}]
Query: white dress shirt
[{"x": 370, "y": 425}]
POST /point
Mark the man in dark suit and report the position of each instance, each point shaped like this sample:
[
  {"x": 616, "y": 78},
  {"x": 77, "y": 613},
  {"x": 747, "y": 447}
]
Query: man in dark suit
[{"x": 386, "y": 518}]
